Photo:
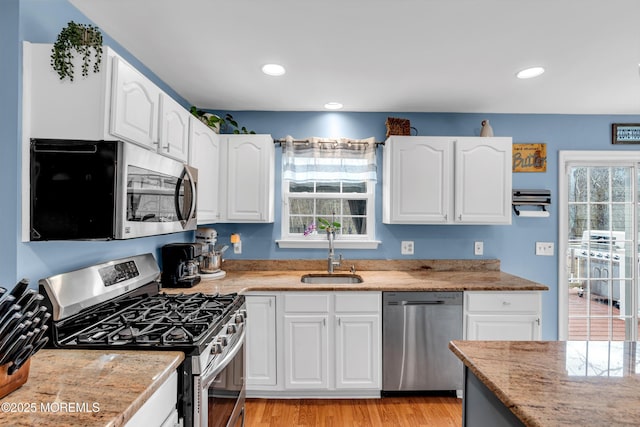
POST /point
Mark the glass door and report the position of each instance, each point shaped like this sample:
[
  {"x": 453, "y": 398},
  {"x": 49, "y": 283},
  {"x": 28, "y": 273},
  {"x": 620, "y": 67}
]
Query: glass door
[{"x": 601, "y": 272}]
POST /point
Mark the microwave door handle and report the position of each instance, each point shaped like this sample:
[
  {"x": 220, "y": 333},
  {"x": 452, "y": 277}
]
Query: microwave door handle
[
  {"x": 185, "y": 219},
  {"x": 194, "y": 195}
]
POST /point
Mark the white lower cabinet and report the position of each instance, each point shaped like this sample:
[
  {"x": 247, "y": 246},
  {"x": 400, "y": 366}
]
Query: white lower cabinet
[
  {"x": 261, "y": 341},
  {"x": 161, "y": 408},
  {"x": 505, "y": 316},
  {"x": 328, "y": 345}
]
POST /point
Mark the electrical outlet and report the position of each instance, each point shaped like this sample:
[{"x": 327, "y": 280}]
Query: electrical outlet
[
  {"x": 544, "y": 248},
  {"x": 237, "y": 247},
  {"x": 478, "y": 248},
  {"x": 406, "y": 247}
]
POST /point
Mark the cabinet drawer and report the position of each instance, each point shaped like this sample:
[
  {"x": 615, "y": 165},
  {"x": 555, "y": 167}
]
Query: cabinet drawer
[
  {"x": 360, "y": 301},
  {"x": 507, "y": 302},
  {"x": 306, "y": 303}
]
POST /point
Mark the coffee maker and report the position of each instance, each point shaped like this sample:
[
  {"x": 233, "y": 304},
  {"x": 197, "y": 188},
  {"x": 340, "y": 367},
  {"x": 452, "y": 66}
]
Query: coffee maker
[{"x": 180, "y": 263}]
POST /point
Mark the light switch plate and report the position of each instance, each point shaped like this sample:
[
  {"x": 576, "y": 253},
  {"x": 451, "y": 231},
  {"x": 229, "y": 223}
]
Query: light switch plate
[{"x": 544, "y": 248}]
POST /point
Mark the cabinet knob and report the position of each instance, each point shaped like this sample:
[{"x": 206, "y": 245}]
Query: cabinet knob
[{"x": 506, "y": 303}]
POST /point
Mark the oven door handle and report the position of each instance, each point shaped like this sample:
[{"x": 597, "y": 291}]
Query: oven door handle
[{"x": 211, "y": 372}]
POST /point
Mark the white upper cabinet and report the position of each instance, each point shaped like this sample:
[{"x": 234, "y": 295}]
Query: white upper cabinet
[
  {"x": 447, "y": 180},
  {"x": 248, "y": 178},
  {"x": 174, "y": 129},
  {"x": 204, "y": 146},
  {"x": 134, "y": 105},
  {"x": 117, "y": 103}
]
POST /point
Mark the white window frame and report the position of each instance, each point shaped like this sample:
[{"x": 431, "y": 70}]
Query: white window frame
[
  {"x": 319, "y": 240},
  {"x": 587, "y": 158}
]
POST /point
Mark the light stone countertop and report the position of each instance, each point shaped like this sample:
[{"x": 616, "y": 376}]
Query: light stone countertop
[
  {"x": 101, "y": 387},
  {"x": 559, "y": 383},
  {"x": 418, "y": 275}
]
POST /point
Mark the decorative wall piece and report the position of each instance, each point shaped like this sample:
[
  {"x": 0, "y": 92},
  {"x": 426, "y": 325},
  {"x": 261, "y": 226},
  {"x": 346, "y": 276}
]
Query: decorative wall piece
[
  {"x": 530, "y": 157},
  {"x": 625, "y": 133}
]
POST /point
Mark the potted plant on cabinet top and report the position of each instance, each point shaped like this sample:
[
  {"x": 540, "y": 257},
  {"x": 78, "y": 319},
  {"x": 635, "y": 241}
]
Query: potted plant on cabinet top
[
  {"x": 83, "y": 39},
  {"x": 219, "y": 124}
]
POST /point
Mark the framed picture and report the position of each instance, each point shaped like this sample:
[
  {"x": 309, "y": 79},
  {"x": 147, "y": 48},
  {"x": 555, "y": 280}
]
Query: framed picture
[
  {"x": 529, "y": 157},
  {"x": 625, "y": 133}
]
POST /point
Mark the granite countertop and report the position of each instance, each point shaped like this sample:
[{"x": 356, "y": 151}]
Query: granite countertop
[
  {"x": 416, "y": 275},
  {"x": 87, "y": 387},
  {"x": 558, "y": 383}
]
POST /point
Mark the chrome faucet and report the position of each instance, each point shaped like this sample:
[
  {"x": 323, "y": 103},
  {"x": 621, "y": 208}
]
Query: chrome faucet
[{"x": 331, "y": 262}]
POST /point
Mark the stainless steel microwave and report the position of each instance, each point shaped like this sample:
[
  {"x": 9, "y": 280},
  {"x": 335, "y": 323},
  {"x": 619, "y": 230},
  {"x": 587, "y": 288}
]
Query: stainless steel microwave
[{"x": 101, "y": 190}]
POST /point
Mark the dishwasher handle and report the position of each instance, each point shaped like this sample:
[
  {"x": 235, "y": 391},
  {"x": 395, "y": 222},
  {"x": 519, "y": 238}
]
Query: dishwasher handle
[{"x": 435, "y": 302}]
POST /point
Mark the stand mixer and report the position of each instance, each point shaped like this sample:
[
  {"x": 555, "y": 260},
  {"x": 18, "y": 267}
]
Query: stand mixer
[{"x": 211, "y": 257}]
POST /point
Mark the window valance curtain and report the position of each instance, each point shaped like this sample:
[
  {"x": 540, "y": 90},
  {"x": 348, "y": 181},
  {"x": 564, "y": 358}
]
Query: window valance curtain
[{"x": 329, "y": 160}]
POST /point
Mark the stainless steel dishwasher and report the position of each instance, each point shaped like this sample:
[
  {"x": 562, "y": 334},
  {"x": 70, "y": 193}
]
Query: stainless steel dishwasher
[{"x": 417, "y": 328}]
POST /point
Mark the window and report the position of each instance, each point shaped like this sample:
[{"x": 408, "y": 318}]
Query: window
[{"x": 332, "y": 181}]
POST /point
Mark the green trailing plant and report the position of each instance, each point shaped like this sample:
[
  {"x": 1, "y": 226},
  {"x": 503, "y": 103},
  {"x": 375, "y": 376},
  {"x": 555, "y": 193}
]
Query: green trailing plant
[
  {"x": 227, "y": 123},
  {"x": 83, "y": 39}
]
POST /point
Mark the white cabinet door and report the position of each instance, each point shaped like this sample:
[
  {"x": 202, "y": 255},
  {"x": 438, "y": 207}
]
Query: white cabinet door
[
  {"x": 420, "y": 187},
  {"x": 261, "y": 341},
  {"x": 417, "y": 180},
  {"x": 483, "y": 180},
  {"x": 250, "y": 174},
  {"x": 204, "y": 149},
  {"x": 134, "y": 105},
  {"x": 357, "y": 351},
  {"x": 306, "y": 351},
  {"x": 174, "y": 129},
  {"x": 523, "y": 327}
]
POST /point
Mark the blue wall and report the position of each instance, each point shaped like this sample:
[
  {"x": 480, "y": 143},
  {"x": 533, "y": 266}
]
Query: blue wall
[{"x": 40, "y": 21}]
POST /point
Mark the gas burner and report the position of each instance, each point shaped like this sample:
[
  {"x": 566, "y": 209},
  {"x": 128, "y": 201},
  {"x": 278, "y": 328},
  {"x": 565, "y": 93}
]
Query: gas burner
[
  {"x": 177, "y": 334},
  {"x": 128, "y": 333}
]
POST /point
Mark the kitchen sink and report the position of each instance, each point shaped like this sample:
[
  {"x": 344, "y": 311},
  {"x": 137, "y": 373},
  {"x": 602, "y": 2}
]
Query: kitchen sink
[{"x": 331, "y": 278}]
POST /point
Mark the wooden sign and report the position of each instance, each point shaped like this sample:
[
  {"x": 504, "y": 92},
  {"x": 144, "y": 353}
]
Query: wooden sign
[{"x": 530, "y": 157}]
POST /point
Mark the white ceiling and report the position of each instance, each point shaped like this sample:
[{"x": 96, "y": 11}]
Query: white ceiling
[{"x": 387, "y": 55}]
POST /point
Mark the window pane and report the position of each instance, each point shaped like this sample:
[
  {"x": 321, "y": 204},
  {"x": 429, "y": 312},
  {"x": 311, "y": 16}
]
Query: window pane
[
  {"x": 354, "y": 187},
  {"x": 621, "y": 184},
  {"x": 301, "y": 187},
  {"x": 300, "y": 206},
  {"x": 354, "y": 225},
  {"x": 577, "y": 221},
  {"x": 297, "y": 224},
  {"x": 599, "y": 185},
  {"x": 577, "y": 185},
  {"x": 599, "y": 217},
  {"x": 328, "y": 207},
  {"x": 621, "y": 217},
  {"x": 354, "y": 207},
  {"x": 328, "y": 187}
]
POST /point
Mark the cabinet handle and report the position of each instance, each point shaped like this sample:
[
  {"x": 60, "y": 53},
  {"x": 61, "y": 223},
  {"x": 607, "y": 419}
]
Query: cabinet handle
[
  {"x": 324, "y": 322},
  {"x": 167, "y": 147},
  {"x": 339, "y": 322},
  {"x": 270, "y": 302},
  {"x": 506, "y": 303},
  {"x": 538, "y": 321},
  {"x": 460, "y": 217}
]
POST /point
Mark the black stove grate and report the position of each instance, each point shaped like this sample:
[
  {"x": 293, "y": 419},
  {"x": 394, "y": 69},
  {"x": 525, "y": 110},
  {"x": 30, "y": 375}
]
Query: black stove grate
[{"x": 160, "y": 320}]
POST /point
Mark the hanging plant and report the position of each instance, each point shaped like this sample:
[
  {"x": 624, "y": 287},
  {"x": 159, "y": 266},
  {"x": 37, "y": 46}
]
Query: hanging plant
[{"x": 83, "y": 39}]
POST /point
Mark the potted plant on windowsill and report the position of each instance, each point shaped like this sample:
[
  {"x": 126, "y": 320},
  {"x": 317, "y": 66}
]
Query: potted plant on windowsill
[{"x": 83, "y": 39}]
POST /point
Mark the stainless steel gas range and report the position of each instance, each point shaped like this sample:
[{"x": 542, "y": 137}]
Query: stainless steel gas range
[{"x": 118, "y": 305}]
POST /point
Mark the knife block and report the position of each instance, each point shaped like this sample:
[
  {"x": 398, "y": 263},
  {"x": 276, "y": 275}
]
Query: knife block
[{"x": 9, "y": 383}]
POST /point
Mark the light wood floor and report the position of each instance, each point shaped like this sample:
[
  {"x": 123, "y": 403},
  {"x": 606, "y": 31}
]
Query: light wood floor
[{"x": 387, "y": 411}]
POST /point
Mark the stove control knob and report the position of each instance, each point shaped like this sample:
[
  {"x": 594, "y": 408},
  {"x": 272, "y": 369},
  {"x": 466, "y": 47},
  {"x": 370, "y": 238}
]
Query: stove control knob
[
  {"x": 216, "y": 348},
  {"x": 222, "y": 340},
  {"x": 239, "y": 318},
  {"x": 244, "y": 313},
  {"x": 232, "y": 329}
]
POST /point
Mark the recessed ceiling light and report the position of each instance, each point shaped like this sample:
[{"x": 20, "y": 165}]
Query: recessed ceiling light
[
  {"x": 333, "y": 106},
  {"x": 273, "y": 69},
  {"x": 528, "y": 73}
]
